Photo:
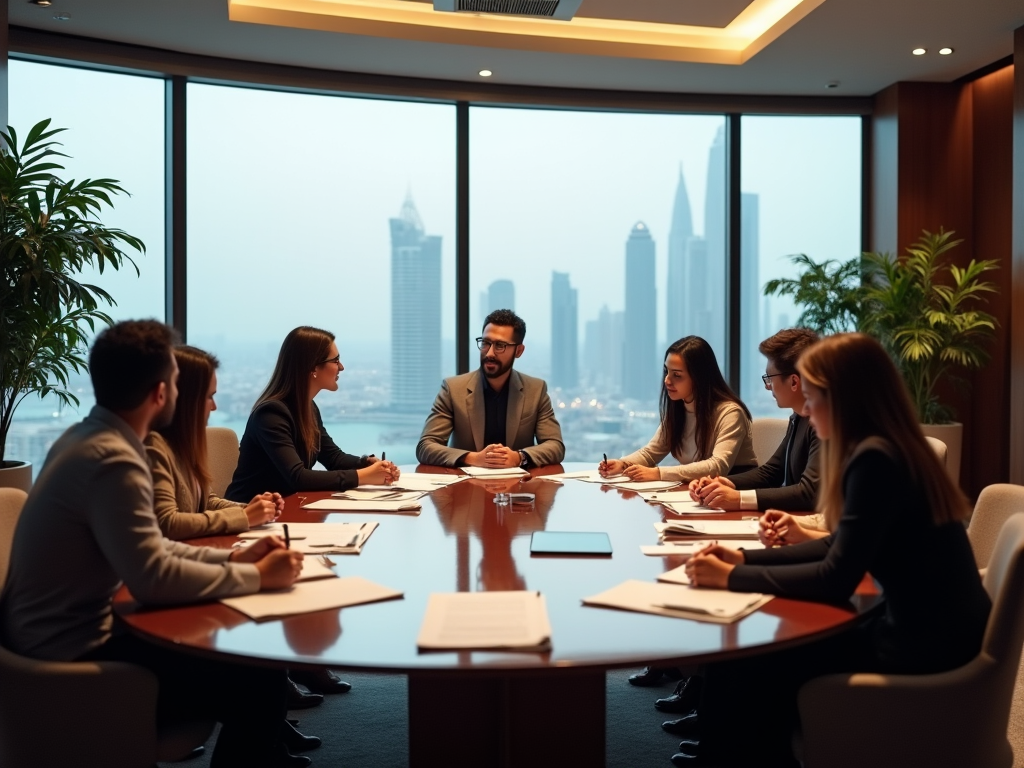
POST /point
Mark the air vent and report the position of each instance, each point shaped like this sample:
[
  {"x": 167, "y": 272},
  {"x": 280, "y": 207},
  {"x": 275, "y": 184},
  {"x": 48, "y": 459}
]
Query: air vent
[{"x": 551, "y": 9}]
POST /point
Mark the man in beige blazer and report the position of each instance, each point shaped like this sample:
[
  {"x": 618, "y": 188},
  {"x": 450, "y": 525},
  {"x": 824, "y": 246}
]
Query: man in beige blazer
[{"x": 495, "y": 416}]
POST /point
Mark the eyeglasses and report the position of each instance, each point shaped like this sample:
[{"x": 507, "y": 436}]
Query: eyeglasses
[
  {"x": 767, "y": 378},
  {"x": 499, "y": 346},
  {"x": 336, "y": 360}
]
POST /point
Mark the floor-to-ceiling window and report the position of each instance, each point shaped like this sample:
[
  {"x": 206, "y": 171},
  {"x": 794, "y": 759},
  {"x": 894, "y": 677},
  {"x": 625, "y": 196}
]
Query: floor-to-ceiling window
[
  {"x": 333, "y": 212},
  {"x": 115, "y": 129},
  {"x": 801, "y": 193},
  {"x": 606, "y": 233}
]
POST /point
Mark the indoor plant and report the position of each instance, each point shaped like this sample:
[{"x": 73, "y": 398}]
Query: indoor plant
[
  {"x": 48, "y": 235},
  {"x": 828, "y": 293},
  {"x": 925, "y": 312}
]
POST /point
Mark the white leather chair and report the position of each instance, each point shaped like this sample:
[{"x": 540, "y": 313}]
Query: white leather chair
[
  {"x": 995, "y": 505},
  {"x": 60, "y": 714},
  {"x": 222, "y": 456},
  {"x": 952, "y": 719},
  {"x": 767, "y": 434},
  {"x": 939, "y": 447}
]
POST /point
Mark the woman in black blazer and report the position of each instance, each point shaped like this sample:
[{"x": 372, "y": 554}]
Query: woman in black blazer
[
  {"x": 285, "y": 435},
  {"x": 894, "y": 513}
]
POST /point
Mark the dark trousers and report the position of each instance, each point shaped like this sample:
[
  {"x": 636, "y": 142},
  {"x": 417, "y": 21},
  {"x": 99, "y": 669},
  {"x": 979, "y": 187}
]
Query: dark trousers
[{"x": 248, "y": 701}]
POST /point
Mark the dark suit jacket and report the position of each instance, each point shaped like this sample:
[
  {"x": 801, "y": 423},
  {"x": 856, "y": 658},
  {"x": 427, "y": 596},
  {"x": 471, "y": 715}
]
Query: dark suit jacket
[
  {"x": 455, "y": 425},
  {"x": 801, "y": 489},
  {"x": 269, "y": 460}
]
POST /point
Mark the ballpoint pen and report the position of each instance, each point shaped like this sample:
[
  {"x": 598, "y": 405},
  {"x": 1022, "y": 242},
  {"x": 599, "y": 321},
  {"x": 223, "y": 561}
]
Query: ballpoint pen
[{"x": 287, "y": 538}]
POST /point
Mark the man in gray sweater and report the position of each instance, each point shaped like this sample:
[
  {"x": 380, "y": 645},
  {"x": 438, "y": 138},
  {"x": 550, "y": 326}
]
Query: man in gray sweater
[{"x": 88, "y": 526}]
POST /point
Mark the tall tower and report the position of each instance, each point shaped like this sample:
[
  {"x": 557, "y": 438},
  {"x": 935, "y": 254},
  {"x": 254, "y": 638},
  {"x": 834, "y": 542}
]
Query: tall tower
[
  {"x": 640, "y": 355},
  {"x": 501, "y": 294},
  {"x": 415, "y": 312},
  {"x": 707, "y": 291},
  {"x": 564, "y": 344},
  {"x": 678, "y": 241},
  {"x": 750, "y": 287}
]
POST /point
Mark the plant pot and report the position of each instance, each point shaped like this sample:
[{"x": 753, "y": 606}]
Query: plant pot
[
  {"x": 16, "y": 474},
  {"x": 953, "y": 436}
]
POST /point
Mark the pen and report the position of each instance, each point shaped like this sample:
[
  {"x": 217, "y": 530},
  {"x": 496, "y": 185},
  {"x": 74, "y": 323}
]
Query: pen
[
  {"x": 605, "y": 457},
  {"x": 383, "y": 455},
  {"x": 287, "y": 538}
]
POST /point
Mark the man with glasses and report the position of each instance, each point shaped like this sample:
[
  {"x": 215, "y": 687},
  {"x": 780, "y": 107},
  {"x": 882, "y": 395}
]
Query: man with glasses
[{"x": 495, "y": 417}]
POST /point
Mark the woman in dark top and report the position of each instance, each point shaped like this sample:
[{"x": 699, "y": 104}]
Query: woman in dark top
[
  {"x": 285, "y": 435},
  {"x": 893, "y": 513}
]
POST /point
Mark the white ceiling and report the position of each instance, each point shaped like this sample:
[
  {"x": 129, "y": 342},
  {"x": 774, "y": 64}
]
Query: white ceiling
[{"x": 864, "y": 45}]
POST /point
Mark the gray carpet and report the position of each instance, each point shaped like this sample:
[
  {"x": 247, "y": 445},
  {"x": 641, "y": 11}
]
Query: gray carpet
[{"x": 368, "y": 727}]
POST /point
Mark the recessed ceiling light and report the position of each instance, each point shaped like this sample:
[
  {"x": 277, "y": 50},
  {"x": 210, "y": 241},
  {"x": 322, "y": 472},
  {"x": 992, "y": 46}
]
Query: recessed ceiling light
[
  {"x": 945, "y": 51},
  {"x": 42, "y": 3},
  {"x": 919, "y": 51},
  {"x": 485, "y": 73}
]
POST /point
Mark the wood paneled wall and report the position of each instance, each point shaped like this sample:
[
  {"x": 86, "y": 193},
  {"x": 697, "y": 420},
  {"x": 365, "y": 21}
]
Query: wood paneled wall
[
  {"x": 942, "y": 159},
  {"x": 1016, "y": 409}
]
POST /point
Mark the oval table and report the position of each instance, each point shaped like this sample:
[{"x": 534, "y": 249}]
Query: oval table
[{"x": 495, "y": 709}]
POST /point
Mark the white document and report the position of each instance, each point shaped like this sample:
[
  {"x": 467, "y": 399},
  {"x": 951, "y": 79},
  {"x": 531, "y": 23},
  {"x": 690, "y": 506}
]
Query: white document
[
  {"x": 320, "y": 538},
  {"x": 649, "y": 485},
  {"x": 392, "y": 495},
  {"x": 675, "y": 576},
  {"x": 314, "y": 568},
  {"x": 690, "y": 507},
  {"x": 417, "y": 481},
  {"x": 708, "y": 529},
  {"x": 565, "y": 476},
  {"x": 350, "y": 505},
  {"x": 677, "y": 548},
  {"x": 494, "y": 471},
  {"x": 678, "y": 601},
  {"x": 310, "y": 596},
  {"x": 486, "y": 621},
  {"x": 594, "y": 476}
]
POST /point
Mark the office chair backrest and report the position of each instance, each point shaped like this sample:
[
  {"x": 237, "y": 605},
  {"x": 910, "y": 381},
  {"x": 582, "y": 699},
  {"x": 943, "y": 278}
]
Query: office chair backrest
[
  {"x": 939, "y": 447},
  {"x": 11, "y": 502},
  {"x": 222, "y": 455},
  {"x": 995, "y": 505},
  {"x": 768, "y": 434}
]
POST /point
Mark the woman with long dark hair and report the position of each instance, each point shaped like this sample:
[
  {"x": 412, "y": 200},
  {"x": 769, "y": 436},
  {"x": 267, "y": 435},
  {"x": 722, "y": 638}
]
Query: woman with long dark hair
[
  {"x": 285, "y": 435},
  {"x": 894, "y": 512},
  {"x": 177, "y": 453},
  {"x": 704, "y": 425}
]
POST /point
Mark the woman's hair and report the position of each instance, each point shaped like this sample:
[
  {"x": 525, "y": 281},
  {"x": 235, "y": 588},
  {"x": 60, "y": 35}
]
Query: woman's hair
[
  {"x": 866, "y": 397},
  {"x": 186, "y": 434},
  {"x": 302, "y": 350},
  {"x": 709, "y": 391}
]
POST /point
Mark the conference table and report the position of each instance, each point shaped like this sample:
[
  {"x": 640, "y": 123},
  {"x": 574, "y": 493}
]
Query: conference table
[{"x": 495, "y": 708}]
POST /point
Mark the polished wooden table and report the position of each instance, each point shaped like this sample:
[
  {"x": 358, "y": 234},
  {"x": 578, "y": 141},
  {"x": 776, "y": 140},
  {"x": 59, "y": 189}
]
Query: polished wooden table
[{"x": 495, "y": 709}]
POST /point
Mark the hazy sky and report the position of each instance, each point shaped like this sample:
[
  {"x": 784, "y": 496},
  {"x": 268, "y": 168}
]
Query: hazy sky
[{"x": 289, "y": 197}]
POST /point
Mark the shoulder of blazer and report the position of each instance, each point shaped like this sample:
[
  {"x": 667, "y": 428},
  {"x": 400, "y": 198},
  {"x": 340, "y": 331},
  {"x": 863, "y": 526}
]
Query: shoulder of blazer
[
  {"x": 525, "y": 381},
  {"x": 463, "y": 382}
]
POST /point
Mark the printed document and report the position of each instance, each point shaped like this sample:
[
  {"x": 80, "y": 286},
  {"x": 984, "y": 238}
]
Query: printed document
[
  {"x": 677, "y": 601},
  {"x": 708, "y": 529},
  {"x": 310, "y": 596},
  {"x": 486, "y": 621}
]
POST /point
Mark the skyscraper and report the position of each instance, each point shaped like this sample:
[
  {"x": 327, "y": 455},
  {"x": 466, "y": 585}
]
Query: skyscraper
[
  {"x": 602, "y": 357},
  {"x": 501, "y": 294},
  {"x": 678, "y": 241},
  {"x": 639, "y": 355},
  {"x": 750, "y": 287},
  {"x": 564, "y": 343},
  {"x": 415, "y": 312},
  {"x": 706, "y": 289}
]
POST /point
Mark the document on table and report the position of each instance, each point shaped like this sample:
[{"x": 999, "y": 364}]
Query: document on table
[
  {"x": 490, "y": 621},
  {"x": 315, "y": 568},
  {"x": 679, "y": 548},
  {"x": 382, "y": 495},
  {"x": 319, "y": 538},
  {"x": 708, "y": 529},
  {"x": 310, "y": 596},
  {"x": 417, "y": 481},
  {"x": 677, "y": 601},
  {"x": 494, "y": 471},
  {"x": 594, "y": 476},
  {"x": 351, "y": 505},
  {"x": 675, "y": 576},
  {"x": 678, "y": 502}
]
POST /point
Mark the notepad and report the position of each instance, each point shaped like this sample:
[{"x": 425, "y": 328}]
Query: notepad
[
  {"x": 709, "y": 529},
  {"x": 649, "y": 485},
  {"x": 310, "y": 596},
  {"x": 594, "y": 476},
  {"x": 494, "y": 471},
  {"x": 677, "y": 601},
  {"x": 314, "y": 568},
  {"x": 381, "y": 495},
  {"x": 320, "y": 538},
  {"x": 493, "y": 621},
  {"x": 351, "y": 505},
  {"x": 678, "y": 502},
  {"x": 417, "y": 481},
  {"x": 675, "y": 576}
]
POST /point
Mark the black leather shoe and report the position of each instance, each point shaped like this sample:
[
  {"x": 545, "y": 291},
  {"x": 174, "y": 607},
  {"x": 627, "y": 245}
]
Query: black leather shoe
[
  {"x": 296, "y": 741},
  {"x": 654, "y": 676},
  {"x": 685, "y": 698},
  {"x": 320, "y": 680},
  {"x": 689, "y": 755},
  {"x": 685, "y": 726},
  {"x": 299, "y": 699}
]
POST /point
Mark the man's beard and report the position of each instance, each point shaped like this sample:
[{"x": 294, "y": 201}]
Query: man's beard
[{"x": 502, "y": 369}]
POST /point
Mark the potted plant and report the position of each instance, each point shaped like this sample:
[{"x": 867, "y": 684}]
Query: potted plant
[
  {"x": 829, "y": 293},
  {"x": 48, "y": 235},
  {"x": 926, "y": 313}
]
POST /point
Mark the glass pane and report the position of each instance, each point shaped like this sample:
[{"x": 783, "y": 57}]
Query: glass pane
[
  {"x": 333, "y": 212},
  {"x": 115, "y": 129},
  {"x": 605, "y": 233},
  {"x": 801, "y": 181}
]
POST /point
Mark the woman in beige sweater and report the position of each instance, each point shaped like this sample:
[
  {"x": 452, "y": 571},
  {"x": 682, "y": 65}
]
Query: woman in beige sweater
[
  {"x": 177, "y": 452},
  {"x": 704, "y": 425}
]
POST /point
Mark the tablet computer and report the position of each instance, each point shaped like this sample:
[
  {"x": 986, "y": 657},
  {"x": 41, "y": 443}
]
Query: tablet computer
[{"x": 570, "y": 543}]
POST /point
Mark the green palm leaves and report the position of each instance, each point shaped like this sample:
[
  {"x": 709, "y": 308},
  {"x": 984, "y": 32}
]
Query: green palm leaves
[
  {"x": 49, "y": 233},
  {"x": 829, "y": 293}
]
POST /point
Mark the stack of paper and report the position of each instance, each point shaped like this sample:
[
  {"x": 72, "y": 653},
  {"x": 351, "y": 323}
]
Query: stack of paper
[
  {"x": 364, "y": 505},
  {"x": 417, "y": 481},
  {"x": 716, "y": 605},
  {"x": 380, "y": 495},
  {"x": 310, "y": 596},
  {"x": 708, "y": 529},
  {"x": 678, "y": 502},
  {"x": 486, "y": 621},
  {"x": 318, "y": 538},
  {"x": 648, "y": 485},
  {"x": 494, "y": 471},
  {"x": 685, "y": 548}
]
